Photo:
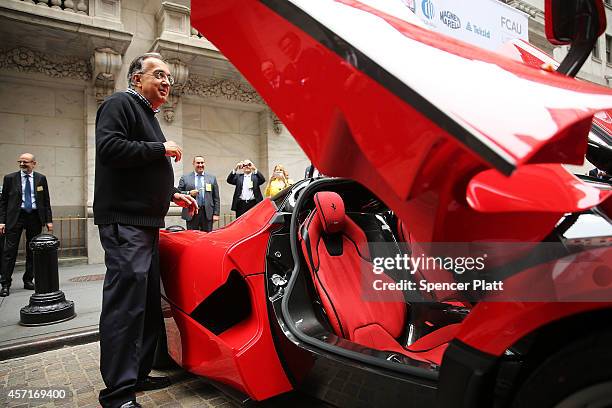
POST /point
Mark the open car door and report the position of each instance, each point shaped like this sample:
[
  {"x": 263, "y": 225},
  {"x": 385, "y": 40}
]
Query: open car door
[{"x": 414, "y": 115}]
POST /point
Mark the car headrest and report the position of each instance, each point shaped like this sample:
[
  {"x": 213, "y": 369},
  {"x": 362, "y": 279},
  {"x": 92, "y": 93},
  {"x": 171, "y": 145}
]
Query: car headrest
[{"x": 330, "y": 210}]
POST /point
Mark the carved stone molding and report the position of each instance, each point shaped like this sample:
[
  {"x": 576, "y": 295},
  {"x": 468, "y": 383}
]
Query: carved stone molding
[
  {"x": 106, "y": 64},
  {"x": 277, "y": 125},
  {"x": 26, "y": 60},
  {"x": 180, "y": 72},
  {"x": 222, "y": 88}
]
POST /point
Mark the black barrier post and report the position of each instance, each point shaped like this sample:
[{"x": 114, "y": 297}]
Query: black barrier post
[{"x": 48, "y": 304}]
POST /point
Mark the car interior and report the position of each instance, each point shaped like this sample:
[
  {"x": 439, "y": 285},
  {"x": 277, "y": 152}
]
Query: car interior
[{"x": 342, "y": 227}]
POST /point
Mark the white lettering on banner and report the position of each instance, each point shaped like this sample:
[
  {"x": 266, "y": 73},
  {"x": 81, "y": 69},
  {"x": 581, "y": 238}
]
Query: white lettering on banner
[{"x": 485, "y": 23}]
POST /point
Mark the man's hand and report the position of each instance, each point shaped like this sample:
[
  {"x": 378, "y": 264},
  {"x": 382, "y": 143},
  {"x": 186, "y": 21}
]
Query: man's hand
[
  {"x": 215, "y": 218},
  {"x": 194, "y": 193},
  {"x": 2, "y": 228},
  {"x": 50, "y": 227},
  {"x": 239, "y": 165},
  {"x": 186, "y": 201},
  {"x": 173, "y": 150}
]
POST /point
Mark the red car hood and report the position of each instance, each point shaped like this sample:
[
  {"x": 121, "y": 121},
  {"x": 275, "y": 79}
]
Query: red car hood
[{"x": 414, "y": 115}]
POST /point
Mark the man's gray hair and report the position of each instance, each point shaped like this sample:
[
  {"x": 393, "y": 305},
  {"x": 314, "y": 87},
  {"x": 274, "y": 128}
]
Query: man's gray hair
[{"x": 136, "y": 65}]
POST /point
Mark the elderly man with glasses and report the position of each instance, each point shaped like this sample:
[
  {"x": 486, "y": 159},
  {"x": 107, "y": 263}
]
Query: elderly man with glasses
[
  {"x": 134, "y": 184},
  {"x": 24, "y": 204}
]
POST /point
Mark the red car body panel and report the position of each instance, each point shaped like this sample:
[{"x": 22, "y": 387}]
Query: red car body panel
[
  {"x": 236, "y": 357},
  {"x": 239, "y": 355},
  {"x": 240, "y": 246},
  {"x": 581, "y": 283},
  {"x": 555, "y": 192},
  {"x": 508, "y": 322}
]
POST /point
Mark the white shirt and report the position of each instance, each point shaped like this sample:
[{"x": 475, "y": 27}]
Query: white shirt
[
  {"x": 247, "y": 191},
  {"x": 32, "y": 190}
]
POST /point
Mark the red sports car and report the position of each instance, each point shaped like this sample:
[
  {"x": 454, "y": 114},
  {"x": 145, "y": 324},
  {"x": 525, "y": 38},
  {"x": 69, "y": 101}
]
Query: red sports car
[{"x": 443, "y": 149}]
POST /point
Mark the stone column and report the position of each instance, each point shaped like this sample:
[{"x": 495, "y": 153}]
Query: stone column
[
  {"x": 106, "y": 64},
  {"x": 180, "y": 72}
]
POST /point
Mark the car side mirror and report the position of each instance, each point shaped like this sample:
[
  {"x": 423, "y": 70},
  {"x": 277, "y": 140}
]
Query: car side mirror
[{"x": 577, "y": 23}]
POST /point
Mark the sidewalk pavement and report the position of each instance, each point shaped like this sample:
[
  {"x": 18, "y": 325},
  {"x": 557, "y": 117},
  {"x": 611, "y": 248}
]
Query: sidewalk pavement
[
  {"x": 74, "y": 372},
  {"x": 81, "y": 284}
]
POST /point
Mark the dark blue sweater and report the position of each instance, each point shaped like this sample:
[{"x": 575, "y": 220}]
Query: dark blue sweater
[{"x": 134, "y": 179}]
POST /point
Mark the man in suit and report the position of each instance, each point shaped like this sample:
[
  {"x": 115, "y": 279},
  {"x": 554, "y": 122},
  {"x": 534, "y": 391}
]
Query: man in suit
[
  {"x": 24, "y": 204},
  {"x": 600, "y": 174},
  {"x": 247, "y": 180},
  {"x": 204, "y": 188}
]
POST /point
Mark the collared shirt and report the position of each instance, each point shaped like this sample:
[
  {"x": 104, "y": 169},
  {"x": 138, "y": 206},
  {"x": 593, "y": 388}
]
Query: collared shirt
[
  {"x": 32, "y": 190},
  {"x": 247, "y": 188},
  {"x": 142, "y": 98}
]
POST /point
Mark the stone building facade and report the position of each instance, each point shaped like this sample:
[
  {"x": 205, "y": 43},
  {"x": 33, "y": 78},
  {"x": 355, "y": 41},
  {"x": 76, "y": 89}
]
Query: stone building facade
[{"x": 59, "y": 59}]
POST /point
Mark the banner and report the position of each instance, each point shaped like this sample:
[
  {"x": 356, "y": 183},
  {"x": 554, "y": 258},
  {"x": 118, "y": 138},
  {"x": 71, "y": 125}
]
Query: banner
[{"x": 485, "y": 23}]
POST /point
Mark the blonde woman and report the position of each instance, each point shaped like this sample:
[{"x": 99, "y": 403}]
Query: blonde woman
[{"x": 279, "y": 180}]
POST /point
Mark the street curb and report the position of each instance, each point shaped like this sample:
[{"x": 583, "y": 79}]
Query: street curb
[{"x": 26, "y": 348}]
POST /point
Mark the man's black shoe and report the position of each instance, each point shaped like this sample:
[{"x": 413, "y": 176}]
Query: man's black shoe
[
  {"x": 4, "y": 291},
  {"x": 152, "y": 383},
  {"x": 131, "y": 404},
  {"x": 28, "y": 285}
]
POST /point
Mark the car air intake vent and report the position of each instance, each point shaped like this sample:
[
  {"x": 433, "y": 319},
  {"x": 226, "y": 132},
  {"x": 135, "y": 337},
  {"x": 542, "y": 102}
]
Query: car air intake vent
[{"x": 226, "y": 306}]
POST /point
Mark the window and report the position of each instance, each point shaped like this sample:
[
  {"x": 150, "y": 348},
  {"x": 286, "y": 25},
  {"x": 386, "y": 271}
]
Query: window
[
  {"x": 596, "y": 50},
  {"x": 608, "y": 47}
]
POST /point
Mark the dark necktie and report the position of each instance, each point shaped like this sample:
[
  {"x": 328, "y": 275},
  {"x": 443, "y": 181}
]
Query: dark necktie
[
  {"x": 27, "y": 204},
  {"x": 199, "y": 186}
]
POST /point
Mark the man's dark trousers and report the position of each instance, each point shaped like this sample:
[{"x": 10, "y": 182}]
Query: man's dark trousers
[
  {"x": 244, "y": 206},
  {"x": 131, "y": 294},
  {"x": 200, "y": 222},
  {"x": 32, "y": 225}
]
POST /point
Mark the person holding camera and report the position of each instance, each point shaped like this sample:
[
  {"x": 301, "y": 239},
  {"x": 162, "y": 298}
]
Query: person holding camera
[
  {"x": 279, "y": 180},
  {"x": 247, "y": 180}
]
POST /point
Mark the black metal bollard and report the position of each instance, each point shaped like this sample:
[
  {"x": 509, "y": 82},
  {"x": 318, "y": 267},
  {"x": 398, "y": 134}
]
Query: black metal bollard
[{"x": 48, "y": 304}]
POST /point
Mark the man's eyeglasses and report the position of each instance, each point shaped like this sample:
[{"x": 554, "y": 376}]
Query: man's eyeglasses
[
  {"x": 161, "y": 75},
  {"x": 24, "y": 161}
]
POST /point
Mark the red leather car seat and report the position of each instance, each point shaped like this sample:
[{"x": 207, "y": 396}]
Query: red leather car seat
[{"x": 339, "y": 261}]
